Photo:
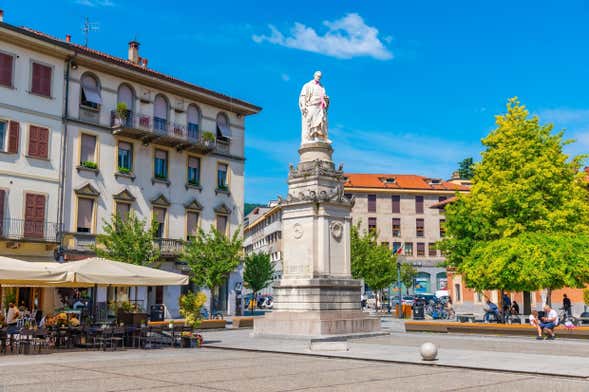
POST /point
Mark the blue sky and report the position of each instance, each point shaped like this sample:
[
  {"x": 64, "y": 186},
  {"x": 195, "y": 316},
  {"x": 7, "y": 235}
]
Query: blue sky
[{"x": 414, "y": 86}]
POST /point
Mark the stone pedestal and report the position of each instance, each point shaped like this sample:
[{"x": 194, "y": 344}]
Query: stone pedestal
[{"x": 316, "y": 295}]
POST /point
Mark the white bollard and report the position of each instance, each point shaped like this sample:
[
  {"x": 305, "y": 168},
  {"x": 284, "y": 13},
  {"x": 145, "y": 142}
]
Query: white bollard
[{"x": 428, "y": 351}]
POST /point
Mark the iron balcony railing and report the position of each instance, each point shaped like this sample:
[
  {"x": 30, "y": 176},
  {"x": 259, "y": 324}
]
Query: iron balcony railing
[
  {"x": 22, "y": 229},
  {"x": 169, "y": 246},
  {"x": 188, "y": 133}
]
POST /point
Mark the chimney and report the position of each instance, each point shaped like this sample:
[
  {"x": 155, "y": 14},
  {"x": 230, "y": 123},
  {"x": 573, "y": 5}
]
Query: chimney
[
  {"x": 68, "y": 38},
  {"x": 134, "y": 52},
  {"x": 1, "y": 15},
  {"x": 144, "y": 62}
]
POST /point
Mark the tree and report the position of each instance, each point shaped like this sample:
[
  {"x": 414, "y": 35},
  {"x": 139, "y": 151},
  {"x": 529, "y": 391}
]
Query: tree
[
  {"x": 129, "y": 240},
  {"x": 408, "y": 274},
  {"x": 466, "y": 168},
  {"x": 372, "y": 262},
  {"x": 258, "y": 273},
  {"x": 212, "y": 257},
  {"x": 525, "y": 224}
]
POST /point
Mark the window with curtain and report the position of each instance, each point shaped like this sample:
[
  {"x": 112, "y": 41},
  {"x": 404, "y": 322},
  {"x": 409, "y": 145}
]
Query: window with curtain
[
  {"x": 161, "y": 164},
  {"x": 371, "y": 203},
  {"x": 420, "y": 249},
  {"x": 396, "y": 227},
  {"x": 192, "y": 120},
  {"x": 222, "y": 224},
  {"x": 88, "y": 149},
  {"x": 85, "y": 209},
  {"x": 433, "y": 251},
  {"x": 191, "y": 224},
  {"x": 419, "y": 204},
  {"x": 408, "y": 251},
  {"x": 125, "y": 157},
  {"x": 160, "y": 113},
  {"x": 419, "y": 227},
  {"x": 193, "y": 171},
  {"x": 396, "y": 204},
  {"x": 123, "y": 210},
  {"x": 222, "y": 169},
  {"x": 372, "y": 224},
  {"x": 159, "y": 215},
  {"x": 223, "y": 130},
  {"x": 125, "y": 95},
  {"x": 90, "y": 94}
]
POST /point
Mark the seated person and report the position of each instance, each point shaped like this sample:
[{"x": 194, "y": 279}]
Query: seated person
[
  {"x": 491, "y": 309},
  {"x": 548, "y": 323},
  {"x": 514, "y": 308},
  {"x": 534, "y": 319}
]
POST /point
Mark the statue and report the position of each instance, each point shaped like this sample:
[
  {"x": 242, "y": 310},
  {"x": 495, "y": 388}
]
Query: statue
[{"x": 313, "y": 103}]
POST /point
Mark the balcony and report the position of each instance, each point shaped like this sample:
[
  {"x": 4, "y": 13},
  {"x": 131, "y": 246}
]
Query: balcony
[
  {"x": 150, "y": 129},
  {"x": 85, "y": 243},
  {"x": 169, "y": 247},
  {"x": 29, "y": 231}
]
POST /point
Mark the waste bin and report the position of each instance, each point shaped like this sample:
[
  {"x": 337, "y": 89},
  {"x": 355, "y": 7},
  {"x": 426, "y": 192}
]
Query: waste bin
[
  {"x": 156, "y": 313},
  {"x": 418, "y": 311}
]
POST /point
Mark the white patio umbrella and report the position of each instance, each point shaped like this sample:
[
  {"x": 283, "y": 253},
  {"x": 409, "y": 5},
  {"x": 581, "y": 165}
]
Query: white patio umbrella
[{"x": 24, "y": 273}]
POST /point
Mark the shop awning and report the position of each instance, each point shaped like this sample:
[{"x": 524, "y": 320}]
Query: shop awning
[
  {"x": 18, "y": 272},
  {"x": 98, "y": 271}
]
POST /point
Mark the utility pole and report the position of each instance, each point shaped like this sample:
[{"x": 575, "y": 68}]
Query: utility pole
[{"x": 87, "y": 28}]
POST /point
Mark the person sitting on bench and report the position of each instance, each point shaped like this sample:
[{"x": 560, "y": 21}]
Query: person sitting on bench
[
  {"x": 548, "y": 323},
  {"x": 491, "y": 309}
]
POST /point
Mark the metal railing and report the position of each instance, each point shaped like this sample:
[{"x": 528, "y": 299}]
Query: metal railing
[
  {"x": 169, "y": 246},
  {"x": 22, "y": 229},
  {"x": 160, "y": 127}
]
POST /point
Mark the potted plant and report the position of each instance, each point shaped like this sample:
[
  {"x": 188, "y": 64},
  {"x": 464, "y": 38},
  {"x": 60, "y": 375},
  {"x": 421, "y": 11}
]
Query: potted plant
[
  {"x": 89, "y": 165},
  {"x": 190, "y": 307},
  {"x": 124, "y": 170},
  {"x": 208, "y": 138},
  {"x": 122, "y": 112},
  {"x": 130, "y": 314},
  {"x": 194, "y": 182}
]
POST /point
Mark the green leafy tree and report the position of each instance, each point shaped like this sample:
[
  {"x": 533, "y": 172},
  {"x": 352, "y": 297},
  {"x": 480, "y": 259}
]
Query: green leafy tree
[
  {"x": 190, "y": 306},
  {"x": 372, "y": 262},
  {"x": 466, "y": 168},
  {"x": 129, "y": 240},
  {"x": 525, "y": 224},
  {"x": 212, "y": 257},
  {"x": 408, "y": 274},
  {"x": 258, "y": 272}
]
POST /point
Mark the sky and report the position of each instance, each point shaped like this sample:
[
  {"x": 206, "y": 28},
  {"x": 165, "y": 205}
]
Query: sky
[{"x": 414, "y": 86}]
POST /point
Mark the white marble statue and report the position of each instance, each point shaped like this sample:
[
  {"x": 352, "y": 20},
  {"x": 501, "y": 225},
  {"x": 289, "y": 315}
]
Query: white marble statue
[{"x": 313, "y": 103}]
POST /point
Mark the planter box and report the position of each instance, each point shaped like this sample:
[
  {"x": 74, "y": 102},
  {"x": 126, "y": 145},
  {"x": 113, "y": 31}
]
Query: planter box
[{"x": 135, "y": 319}]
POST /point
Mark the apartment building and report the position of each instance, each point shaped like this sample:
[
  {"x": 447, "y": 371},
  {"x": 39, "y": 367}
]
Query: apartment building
[
  {"x": 87, "y": 135},
  {"x": 398, "y": 208},
  {"x": 263, "y": 233}
]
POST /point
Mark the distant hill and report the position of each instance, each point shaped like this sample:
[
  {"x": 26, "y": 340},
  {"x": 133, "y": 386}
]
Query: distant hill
[{"x": 248, "y": 207}]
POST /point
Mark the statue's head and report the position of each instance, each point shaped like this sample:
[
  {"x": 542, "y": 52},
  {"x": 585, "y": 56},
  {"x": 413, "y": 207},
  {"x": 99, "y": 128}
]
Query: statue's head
[{"x": 317, "y": 76}]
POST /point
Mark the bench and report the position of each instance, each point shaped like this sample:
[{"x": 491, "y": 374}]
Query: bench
[
  {"x": 465, "y": 317},
  {"x": 243, "y": 322}
]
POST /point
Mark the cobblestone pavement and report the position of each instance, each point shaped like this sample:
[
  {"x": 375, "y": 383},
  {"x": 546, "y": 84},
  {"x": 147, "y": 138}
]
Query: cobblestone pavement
[{"x": 223, "y": 370}]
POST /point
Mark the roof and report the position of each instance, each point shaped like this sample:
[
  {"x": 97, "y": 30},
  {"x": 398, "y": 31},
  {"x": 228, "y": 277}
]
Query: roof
[
  {"x": 400, "y": 181},
  {"x": 127, "y": 64}
]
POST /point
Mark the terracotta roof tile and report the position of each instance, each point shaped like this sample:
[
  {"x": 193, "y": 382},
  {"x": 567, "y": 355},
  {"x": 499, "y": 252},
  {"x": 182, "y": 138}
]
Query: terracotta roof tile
[
  {"x": 399, "y": 181},
  {"x": 128, "y": 64}
]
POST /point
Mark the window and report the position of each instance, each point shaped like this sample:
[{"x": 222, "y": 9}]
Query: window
[
  {"x": 38, "y": 142},
  {"x": 385, "y": 244},
  {"x": 159, "y": 215},
  {"x": 193, "y": 171},
  {"x": 161, "y": 164},
  {"x": 396, "y": 247},
  {"x": 90, "y": 94},
  {"x": 442, "y": 228},
  {"x": 34, "y": 215},
  {"x": 396, "y": 201},
  {"x": 419, "y": 204},
  {"x": 222, "y": 224},
  {"x": 223, "y": 130},
  {"x": 420, "y": 249},
  {"x": 160, "y": 113},
  {"x": 191, "y": 224},
  {"x": 372, "y": 224},
  {"x": 371, "y": 203},
  {"x": 408, "y": 251},
  {"x": 433, "y": 252},
  {"x": 192, "y": 120},
  {"x": 125, "y": 157},
  {"x": 222, "y": 176},
  {"x": 41, "y": 80},
  {"x": 3, "y": 135},
  {"x": 457, "y": 293},
  {"x": 126, "y": 96},
  {"x": 6, "y": 69},
  {"x": 396, "y": 227},
  {"x": 123, "y": 210},
  {"x": 9, "y": 136},
  {"x": 85, "y": 209},
  {"x": 419, "y": 229},
  {"x": 88, "y": 150}
]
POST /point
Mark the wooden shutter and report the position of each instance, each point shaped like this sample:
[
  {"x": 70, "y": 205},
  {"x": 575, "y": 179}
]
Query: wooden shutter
[
  {"x": 34, "y": 215},
  {"x": 33, "y": 140},
  {"x": 13, "y": 137},
  {"x": 6, "y": 69},
  {"x": 2, "y": 196},
  {"x": 38, "y": 142},
  {"x": 36, "y": 82},
  {"x": 41, "y": 83},
  {"x": 43, "y": 147}
]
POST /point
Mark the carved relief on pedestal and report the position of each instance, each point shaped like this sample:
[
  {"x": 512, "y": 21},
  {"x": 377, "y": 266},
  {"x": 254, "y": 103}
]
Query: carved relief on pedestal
[
  {"x": 297, "y": 230},
  {"x": 337, "y": 230}
]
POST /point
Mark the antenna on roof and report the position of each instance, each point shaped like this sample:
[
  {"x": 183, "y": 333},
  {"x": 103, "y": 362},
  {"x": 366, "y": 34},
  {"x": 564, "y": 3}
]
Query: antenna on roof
[{"x": 87, "y": 28}]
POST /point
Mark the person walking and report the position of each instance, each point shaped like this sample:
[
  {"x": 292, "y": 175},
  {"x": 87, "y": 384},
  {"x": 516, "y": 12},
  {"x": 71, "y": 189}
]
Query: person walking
[
  {"x": 11, "y": 322},
  {"x": 566, "y": 305}
]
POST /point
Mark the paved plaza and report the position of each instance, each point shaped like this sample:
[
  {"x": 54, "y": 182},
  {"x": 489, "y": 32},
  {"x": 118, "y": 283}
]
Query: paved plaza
[{"x": 210, "y": 369}]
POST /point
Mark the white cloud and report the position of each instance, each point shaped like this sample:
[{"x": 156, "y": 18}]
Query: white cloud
[
  {"x": 95, "y": 3},
  {"x": 285, "y": 77},
  {"x": 576, "y": 123},
  {"x": 345, "y": 38}
]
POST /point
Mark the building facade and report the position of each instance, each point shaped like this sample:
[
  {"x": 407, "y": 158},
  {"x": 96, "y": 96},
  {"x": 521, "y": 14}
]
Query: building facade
[
  {"x": 101, "y": 135},
  {"x": 263, "y": 233},
  {"x": 398, "y": 208}
]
